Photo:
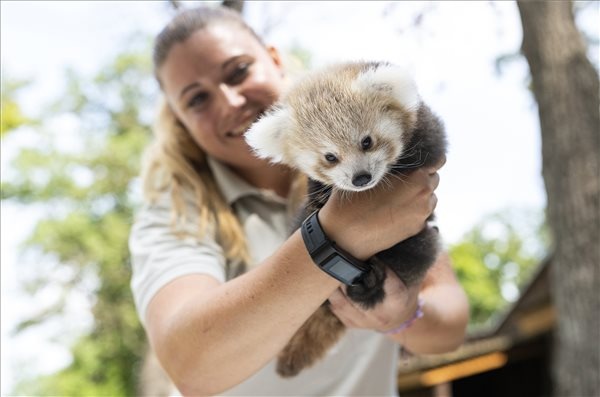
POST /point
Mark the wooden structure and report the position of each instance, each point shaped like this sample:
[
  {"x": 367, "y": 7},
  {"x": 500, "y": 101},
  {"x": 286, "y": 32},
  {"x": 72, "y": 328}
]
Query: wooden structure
[{"x": 510, "y": 359}]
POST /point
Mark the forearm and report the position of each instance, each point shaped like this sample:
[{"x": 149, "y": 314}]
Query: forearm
[
  {"x": 445, "y": 314},
  {"x": 216, "y": 341},
  {"x": 210, "y": 336}
]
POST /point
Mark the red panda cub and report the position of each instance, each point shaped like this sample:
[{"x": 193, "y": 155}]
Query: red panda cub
[{"x": 348, "y": 127}]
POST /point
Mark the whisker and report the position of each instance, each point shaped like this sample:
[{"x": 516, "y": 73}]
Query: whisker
[
  {"x": 409, "y": 150},
  {"x": 319, "y": 191},
  {"x": 398, "y": 175},
  {"x": 348, "y": 194},
  {"x": 387, "y": 183}
]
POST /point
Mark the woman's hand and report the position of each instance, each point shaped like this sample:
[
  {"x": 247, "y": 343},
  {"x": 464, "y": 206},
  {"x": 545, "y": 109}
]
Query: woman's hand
[
  {"x": 368, "y": 222},
  {"x": 445, "y": 313},
  {"x": 399, "y": 305}
]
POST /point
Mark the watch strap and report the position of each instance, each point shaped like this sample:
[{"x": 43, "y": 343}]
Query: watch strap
[
  {"x": 328, "y": 256},
  {"x": 314, "y": 238}
]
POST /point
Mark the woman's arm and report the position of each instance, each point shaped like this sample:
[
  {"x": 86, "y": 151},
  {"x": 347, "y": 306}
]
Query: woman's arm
[
  {"x": 211, "y": 336},
  {"x": 446, "y": 313}
]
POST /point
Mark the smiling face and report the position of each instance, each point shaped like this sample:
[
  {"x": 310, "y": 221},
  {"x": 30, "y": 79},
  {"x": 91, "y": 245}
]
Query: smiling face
[{"x": 217, "y": 82}]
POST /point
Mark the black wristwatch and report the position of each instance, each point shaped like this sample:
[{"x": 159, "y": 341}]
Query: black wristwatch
[{"x": 330, "y": 258}]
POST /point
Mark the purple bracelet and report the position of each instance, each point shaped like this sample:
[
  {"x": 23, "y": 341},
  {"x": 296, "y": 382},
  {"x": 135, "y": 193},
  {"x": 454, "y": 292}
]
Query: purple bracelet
[{"x": 418, "y": 314}]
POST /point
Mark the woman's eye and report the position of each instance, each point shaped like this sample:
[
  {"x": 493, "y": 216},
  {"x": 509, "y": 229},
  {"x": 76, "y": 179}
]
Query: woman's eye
[
  {"x": 198, "y": 99},
  {"x": 239, "y": 73}
]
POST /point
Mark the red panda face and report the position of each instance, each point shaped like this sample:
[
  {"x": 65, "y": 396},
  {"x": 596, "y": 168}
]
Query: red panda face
[
  {"x": 353, "y": 159},
  {"x": 344, "y": 126}
]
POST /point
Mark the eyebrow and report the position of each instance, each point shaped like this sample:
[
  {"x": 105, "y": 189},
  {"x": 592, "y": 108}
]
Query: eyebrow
[
  {"x": 230, "y": 60},
  {"x": 223, "y": 67},
  {"x": 188, "y": 88}
]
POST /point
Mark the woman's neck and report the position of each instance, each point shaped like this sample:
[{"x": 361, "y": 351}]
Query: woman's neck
[{"x": 275, "y": 177}]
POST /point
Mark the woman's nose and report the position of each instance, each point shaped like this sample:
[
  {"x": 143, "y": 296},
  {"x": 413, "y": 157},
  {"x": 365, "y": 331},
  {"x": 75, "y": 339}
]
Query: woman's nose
[{"x": 232, "y": 95}]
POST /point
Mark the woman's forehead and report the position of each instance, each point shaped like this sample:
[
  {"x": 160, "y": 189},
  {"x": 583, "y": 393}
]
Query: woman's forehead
[
  {"x": 219, "y": 42},
  {"x": 206, "y": 52}
]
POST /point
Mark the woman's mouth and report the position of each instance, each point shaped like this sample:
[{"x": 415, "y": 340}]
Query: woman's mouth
[{"x": 239, "y": 131}]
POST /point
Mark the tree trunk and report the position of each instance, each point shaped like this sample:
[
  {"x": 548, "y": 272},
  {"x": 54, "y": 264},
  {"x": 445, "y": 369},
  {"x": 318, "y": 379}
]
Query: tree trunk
[{"x": 565, "y": 85}]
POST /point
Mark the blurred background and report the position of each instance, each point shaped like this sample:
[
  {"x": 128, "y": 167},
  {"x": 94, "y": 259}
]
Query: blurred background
[{"x": 78, "y": 98}]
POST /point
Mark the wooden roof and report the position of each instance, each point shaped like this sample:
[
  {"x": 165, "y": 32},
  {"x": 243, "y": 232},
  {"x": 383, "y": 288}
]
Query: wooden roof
[{"x": 485, "y": 349}]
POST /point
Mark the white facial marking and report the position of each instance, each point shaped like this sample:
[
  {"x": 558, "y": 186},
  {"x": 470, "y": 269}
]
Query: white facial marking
[
  {"x": 267, "y": 136},
  {"x": 306, "y": 162}
]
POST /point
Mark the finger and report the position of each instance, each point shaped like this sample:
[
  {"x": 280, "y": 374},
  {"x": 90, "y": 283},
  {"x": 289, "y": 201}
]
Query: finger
[
  {"x": 343, "y": 304},
  {"x": 393, "y": 284},
  {"x": 346, "y": 305},
  {"x": 440, "y": 163},
  {"x": 341, "y": 307},
  {"x": 346, "y": 320},
  {"x": 432, "y": 169},
  {"x": 434, "y": 180},
  {"x": 343, "y": 317},
  {"x": 337, "y": 300},
  {"x": 433, "y": 200}
]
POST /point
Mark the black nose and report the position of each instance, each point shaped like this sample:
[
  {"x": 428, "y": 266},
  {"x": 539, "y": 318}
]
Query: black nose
[{"x": 361, "y": 180}]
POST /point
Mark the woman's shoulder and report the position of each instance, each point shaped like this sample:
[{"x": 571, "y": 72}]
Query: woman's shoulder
[{"x": 178, "y": 211}]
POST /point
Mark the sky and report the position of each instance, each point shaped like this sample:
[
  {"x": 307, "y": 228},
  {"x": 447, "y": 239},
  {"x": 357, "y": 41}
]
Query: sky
[{"x": 493, "y": 162}]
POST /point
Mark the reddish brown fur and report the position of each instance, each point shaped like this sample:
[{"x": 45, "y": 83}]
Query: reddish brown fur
[{"x": 318, "y": 334}]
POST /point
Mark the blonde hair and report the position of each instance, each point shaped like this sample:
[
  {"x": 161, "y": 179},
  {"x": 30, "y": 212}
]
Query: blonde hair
[{"x": 175, "y": 163}]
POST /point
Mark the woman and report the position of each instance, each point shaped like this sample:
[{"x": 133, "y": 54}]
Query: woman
[{"x": 214, "y": 211}]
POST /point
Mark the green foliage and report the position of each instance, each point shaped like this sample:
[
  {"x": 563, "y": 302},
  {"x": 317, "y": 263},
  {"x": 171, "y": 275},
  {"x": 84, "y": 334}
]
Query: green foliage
[
  {"x": 496, "y": 258},
  {"x": 86, "y": 187},
  {"x": 11, "y": 115},
  {"x": 302, "y": 55}
]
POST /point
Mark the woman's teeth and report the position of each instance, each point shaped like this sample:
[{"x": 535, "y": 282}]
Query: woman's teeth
[{"x": 240, "y": 131}]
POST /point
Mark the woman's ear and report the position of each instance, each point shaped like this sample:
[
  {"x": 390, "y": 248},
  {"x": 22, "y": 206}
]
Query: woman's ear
[{"x": 275, "y": 56}]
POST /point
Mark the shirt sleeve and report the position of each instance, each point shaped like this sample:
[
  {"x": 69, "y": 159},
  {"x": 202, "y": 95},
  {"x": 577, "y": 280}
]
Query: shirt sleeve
[{"x": 158, "y": 255}]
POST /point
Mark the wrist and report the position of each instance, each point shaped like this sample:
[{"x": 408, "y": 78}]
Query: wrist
[
  {"x": 347, "y": 235},
  {"x": 328, "y": 256}
]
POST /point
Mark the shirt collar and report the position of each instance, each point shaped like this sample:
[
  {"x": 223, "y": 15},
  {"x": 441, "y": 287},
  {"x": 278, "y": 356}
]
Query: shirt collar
[{"x": 233, "y": 187}]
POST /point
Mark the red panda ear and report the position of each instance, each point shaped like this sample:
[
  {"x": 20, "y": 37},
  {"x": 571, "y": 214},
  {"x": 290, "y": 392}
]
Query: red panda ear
[
  {"x": 267, "y": 135},
  {"x": 391, "y": 79}
]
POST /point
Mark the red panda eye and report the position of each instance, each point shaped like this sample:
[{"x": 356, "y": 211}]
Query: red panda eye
[
  {"x": 366, "y": 143},
  {"x": 330, "y": 157}
]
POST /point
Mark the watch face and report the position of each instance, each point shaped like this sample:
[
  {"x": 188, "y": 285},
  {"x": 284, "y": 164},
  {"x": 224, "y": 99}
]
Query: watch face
[{"x": 341, "y": 269}]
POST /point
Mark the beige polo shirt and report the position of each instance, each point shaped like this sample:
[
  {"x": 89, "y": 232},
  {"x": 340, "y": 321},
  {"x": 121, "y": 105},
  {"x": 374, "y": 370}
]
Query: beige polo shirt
[
  {"x": 362, "y": 362},
  {"x": 159, "y": 256}
]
